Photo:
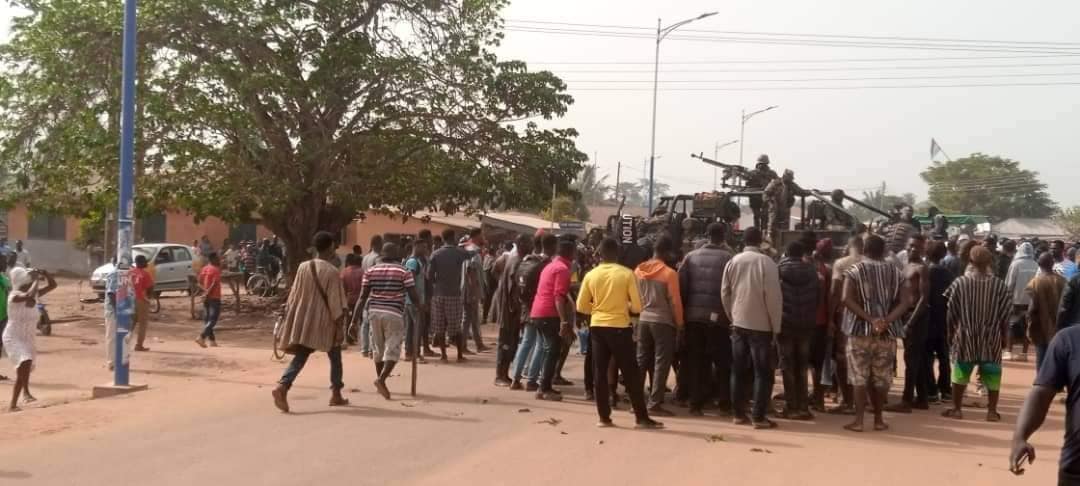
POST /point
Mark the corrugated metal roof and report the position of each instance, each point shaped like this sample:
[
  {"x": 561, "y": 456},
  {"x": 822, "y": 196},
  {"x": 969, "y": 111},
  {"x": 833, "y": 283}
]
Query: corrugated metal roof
[{"x": 1044, "y": 228}]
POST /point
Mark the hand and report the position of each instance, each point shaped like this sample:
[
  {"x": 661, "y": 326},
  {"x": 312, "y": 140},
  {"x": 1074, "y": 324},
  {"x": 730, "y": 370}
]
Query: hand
[
  {"x": 879, "y": 325},
  {"x": 566, "y": 329},
  {"x": 1020, "y": 450}
]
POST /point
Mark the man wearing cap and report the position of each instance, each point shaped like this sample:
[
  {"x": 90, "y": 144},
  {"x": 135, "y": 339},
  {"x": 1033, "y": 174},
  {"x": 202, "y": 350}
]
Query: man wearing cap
[{"x": 780, "y": 196}]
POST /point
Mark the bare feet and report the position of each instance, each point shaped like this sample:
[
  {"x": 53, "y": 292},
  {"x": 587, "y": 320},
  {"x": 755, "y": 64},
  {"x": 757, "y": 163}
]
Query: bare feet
[
  {"x": 14, "y": 409},
  {"x": 953, "y": 414},
  {"x": 28, "y": 398},
  {"x": 383, "y": 390},
  {"x": 201, "y": 342}
]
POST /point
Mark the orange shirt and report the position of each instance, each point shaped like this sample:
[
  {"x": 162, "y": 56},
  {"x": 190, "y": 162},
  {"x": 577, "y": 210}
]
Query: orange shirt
[
  {"x": 210, "y": 279},
  {"x": 142, "y": 282}
]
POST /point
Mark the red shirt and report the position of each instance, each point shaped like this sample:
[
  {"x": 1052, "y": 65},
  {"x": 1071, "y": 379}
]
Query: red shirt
[
  {"x": 142, "y": 282},
  {"x": 353, "y": 280},
  {"x": 210, "y": 279},
  {"x": 554, "y": 284}
]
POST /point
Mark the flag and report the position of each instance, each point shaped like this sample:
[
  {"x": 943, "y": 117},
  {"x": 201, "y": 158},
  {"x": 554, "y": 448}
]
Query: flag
[{"x": 934, "y": 149}]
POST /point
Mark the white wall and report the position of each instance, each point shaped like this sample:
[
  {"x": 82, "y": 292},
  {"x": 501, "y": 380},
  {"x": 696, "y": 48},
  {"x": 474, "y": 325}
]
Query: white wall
[{"x": 58, "y": 256}]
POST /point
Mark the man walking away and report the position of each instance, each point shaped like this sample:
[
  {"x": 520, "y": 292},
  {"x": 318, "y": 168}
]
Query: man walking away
[
  {"x": 385, "y": 287},
  {"x": 369, "y": 260},
  {"x": 874, "y": 301},
  {"x": 1060, "y": 370},
  {"x": 661, "y": 321},
  {"x": 444, "y": 273},
  {"x": 210, "y": 284},
  {"x": 754, "y": 305},
  {"x": 552, "y": 313},
  {"x": 1022, "y": 269},
  {"x": 144, "y": 286},
  {"x": 839, "y": 277},
  {"x": 609, "y": 294},
  {"x": 979, "y": 307},
  {"x": 314, "y": 321},
  {"x": 708, "y": 328},
  {"x": 352, "y": 279},
  {"x": 799, "y": 286},
  {"x": 1044, "y": 292},
  {"x": 937, "y": 342},
  {"x": 507, "y": 311},
  {"x": 472, "y": 289},
  {"x": 1069, "y": 309}
]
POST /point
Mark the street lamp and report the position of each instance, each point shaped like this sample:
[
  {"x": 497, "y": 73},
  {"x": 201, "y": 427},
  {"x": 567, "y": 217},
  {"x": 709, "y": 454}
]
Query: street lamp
[
  {"x": 716, "y": 156},
  {"x": 742, "y": 127},
  {"x": 661, "y": 32}
]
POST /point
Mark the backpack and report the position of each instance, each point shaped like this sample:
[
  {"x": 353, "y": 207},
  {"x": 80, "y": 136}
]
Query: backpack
[{"x": 527, "y": 277}]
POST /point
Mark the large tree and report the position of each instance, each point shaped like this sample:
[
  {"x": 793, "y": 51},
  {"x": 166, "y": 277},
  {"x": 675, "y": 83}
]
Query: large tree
[
  {"x": 1069, "y": 220},
  {"x": 988, "y": 185},
  {"x": 298, "y": 113}
]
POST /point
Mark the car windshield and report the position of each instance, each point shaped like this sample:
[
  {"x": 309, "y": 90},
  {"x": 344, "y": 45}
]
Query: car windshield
[{"x": 146, "y": 252}]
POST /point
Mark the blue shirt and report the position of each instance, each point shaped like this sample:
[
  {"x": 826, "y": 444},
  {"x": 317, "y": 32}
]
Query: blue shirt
[{"x": 417, "y": 268}]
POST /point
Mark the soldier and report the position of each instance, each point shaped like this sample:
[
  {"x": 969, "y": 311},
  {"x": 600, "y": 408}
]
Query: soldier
[
  {"x": 900, "y": 232},
  {"x": 780, "y": 196},
  {"x": 759, "y": 178},
  {"x": 836, "y": 219}
]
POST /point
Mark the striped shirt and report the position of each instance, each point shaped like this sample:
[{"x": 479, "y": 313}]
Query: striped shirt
[
  {"x": 878, "y": 284},
  {"x": 979, "y": 308},
  {"x": 388, "y": 283}
]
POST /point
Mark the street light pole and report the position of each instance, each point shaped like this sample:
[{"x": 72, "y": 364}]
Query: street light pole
[
  {"x": 125, "y": 296},
  {"x": 742, "y": 128},
  {"x": 661, "y": 32},
  {"x": 716, "y": 156}
]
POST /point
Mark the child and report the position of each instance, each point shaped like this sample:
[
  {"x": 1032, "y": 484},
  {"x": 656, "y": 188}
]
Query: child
[{"x": 22, "y": 325}]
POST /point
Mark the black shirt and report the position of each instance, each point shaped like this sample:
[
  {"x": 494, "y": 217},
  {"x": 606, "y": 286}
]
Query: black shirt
[
  {"x": 937, "y": 310},
  {"x": 1061, "y": 369}
]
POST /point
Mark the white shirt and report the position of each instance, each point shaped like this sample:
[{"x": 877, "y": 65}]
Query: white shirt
[{"x": 22, "y": 258}]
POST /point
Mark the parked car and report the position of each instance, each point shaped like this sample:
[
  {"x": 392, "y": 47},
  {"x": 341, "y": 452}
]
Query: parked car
[{"x": 170, "y": 265}]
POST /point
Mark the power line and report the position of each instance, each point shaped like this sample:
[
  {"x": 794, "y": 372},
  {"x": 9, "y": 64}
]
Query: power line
[
  {"x": 799, "y": 80},
  {"x": 785, "y": 34},
  {"x": 834, "y": 88},
  {"x": 815, "y": 69},
  {"x": 806, "y": 61},
  {"x": 810, "y": 42}
]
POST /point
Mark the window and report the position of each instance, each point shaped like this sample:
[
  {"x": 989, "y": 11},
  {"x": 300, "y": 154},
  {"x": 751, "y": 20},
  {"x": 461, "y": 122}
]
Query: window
[
  {"x": 153, "y": 228},
  {"x": 180, "y": 254},
  {"x": 163, "y": 256},
  {"x": 242, "y": 232},
  {"x": 46, "y": 226}
]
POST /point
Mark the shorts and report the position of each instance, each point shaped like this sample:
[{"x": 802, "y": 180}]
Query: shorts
[
  {"x": 989, "y": 373},
  {"x": 387, "y": 335},
  {"x": 870, "y": 360},
  {"x": 1018, "y": 322},
  {"x": 446, "y": 315}
]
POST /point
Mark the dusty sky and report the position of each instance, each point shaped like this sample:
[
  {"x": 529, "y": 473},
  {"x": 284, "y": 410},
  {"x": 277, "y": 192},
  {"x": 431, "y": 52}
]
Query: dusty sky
[{"x": 851, "y": 139}]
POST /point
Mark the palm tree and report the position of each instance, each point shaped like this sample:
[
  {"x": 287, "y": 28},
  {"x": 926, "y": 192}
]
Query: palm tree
[{"x": 593, "y": 190}]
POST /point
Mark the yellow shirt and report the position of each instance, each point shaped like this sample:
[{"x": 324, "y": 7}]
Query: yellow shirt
[{"x": 609, "y": 294}]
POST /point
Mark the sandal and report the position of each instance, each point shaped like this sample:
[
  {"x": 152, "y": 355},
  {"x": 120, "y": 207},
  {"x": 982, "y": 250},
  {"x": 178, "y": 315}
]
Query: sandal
[
  {"x": 953, "y": 414},
  {"x": 993, "y": 417},
  {"x": 854, "y": 427}
]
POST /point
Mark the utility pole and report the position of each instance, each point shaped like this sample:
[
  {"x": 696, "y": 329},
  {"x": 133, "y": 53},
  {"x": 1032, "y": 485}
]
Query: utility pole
[
  {"x": 618, "y": 177},
  {"x": 715, "y": 156}
]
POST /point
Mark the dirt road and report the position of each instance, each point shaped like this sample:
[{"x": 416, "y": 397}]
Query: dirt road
[{"x": 208, "y": 419}]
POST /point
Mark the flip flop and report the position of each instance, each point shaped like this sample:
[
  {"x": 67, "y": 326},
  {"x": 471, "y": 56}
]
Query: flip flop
[
  {"x": 993, "y": 417},
  {"x": 853, "y": 428}
]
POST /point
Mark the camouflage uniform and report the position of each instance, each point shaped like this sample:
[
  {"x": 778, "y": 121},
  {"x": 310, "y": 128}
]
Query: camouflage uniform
[{"x": 780, "y": 196}]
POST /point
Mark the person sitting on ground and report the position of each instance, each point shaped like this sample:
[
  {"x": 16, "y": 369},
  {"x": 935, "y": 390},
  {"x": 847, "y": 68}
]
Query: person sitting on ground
[{"x": 979, "y": 307}]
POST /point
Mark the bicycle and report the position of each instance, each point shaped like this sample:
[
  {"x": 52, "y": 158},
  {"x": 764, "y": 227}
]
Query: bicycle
[{"x": 279, "y": 328}]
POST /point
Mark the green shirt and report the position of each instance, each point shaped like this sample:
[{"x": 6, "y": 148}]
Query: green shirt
[{"x": 5, "y": 287}]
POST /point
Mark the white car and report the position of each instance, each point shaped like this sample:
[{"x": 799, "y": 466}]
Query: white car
[{"x": 170, "y": 265}]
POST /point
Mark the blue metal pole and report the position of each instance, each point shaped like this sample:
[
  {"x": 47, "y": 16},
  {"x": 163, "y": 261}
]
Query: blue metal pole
[{"x": 125, "y": 297}]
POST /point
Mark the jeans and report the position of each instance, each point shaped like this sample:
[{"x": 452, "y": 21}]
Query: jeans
[
  {"x": 507, "y": 347},
  {"x": 708, "y": 350},
  {"x": 415, "y": 328},
  {"x": 916, "y": 368},
  {"x": 300, "y": 359},
  {"x": 552, "y": 346},
  {"x": 524, "y": 351},
  {"x": 213, "y": 312},
  {"x": 1040, "y": 355},
  {"x": 796, "y": 352},
  {"x": 656, "y": 351},
  {"x": 617, "y": 343},
  {"x": 937, "y": 347},
  {"x": 751, "y": 351}
]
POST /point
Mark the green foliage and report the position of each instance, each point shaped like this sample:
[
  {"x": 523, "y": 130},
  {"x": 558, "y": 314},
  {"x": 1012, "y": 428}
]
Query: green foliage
[
  {"x": 592, "y": 190},
  {"x": 988, "y": 185},
  {"x": 1069, "y": 220},
  {"x": 631, "y": 191},
  {"x": 566, "y": 208},
  {"x": 299, "y": 113}
]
